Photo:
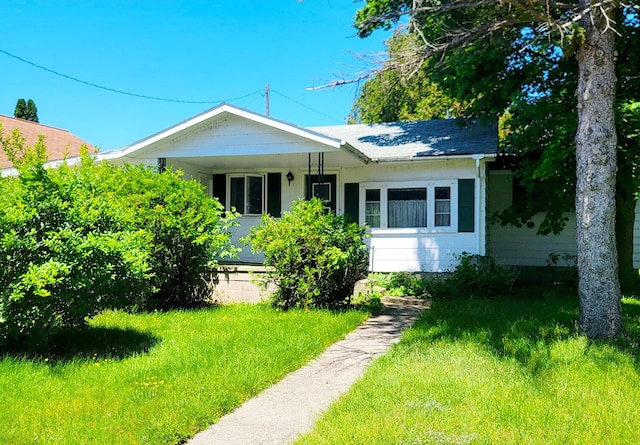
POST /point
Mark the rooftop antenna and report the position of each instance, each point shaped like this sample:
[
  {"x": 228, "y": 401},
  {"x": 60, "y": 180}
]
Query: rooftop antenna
[{"x": 266, "y": 95}]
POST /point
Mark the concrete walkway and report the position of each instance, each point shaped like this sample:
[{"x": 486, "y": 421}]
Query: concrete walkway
[{"x": 282, "y": 412}]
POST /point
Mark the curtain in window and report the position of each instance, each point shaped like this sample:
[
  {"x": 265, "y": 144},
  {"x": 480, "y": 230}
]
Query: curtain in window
[{"x": 407, "y": 207}]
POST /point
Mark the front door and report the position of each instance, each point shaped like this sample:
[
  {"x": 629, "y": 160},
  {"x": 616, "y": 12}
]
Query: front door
[{"x": 325, "y": 189}]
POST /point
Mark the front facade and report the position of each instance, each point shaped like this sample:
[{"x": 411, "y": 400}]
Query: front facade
[
  {"x": 420, "y": 187},
  {"x": 425, "y": 189}
]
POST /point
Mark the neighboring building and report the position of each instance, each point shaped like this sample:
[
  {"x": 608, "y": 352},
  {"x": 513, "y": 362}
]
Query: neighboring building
[{"x": 60, "y": 143}]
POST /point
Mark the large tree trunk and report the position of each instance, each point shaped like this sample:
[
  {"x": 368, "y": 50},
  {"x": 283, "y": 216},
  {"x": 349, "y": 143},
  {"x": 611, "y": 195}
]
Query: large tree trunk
[{"x": 596, "y": 140}]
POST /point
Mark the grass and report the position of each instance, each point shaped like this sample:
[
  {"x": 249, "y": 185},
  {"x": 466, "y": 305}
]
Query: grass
[
  {"x": 495, "y": 372},
  {"x": 156, "y": 378}
]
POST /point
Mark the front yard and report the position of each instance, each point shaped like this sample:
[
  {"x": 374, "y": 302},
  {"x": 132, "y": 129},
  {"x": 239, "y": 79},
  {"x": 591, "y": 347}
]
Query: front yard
[
  {"x": 495, "y": 372},
  {"x": 156, "y": 378}
]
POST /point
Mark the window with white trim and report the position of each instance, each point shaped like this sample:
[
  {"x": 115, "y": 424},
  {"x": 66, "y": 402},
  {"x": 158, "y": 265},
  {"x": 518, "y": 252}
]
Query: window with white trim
[
  {"x": 246, "y": 194},
  {"x": 442, "y": 209},
  {"x": 403, "y": 205},
  {"x": 372, "y": 207}
]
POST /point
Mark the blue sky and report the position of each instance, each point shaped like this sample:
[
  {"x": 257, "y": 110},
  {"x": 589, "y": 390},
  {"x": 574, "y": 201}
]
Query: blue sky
[{"x": 181, "y": 50}]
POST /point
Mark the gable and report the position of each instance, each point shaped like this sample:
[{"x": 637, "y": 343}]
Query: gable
[{"x": 232, "y": 135}]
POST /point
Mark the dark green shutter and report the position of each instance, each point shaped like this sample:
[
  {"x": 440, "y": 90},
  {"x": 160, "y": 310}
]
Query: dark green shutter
[
  {"x": 352, "y": 202},
  {"x": 274, "y": 194},
  {"x": 220, "y": 188},
  {"x": 466, "y": 201}
]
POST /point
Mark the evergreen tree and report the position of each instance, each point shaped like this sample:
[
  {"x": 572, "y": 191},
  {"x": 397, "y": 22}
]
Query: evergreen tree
[
  {"x": 26, "y": 110},
  {"x": 21, "y": 109},
  {"x": 32, "y": 111}
]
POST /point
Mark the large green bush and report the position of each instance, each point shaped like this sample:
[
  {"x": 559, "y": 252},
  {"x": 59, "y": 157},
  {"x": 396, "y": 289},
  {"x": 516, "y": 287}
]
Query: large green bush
[
  {"x": 313, "y": 256},
  {"x": 77, "y": 240},
  {"x": 189, "y": 229}
]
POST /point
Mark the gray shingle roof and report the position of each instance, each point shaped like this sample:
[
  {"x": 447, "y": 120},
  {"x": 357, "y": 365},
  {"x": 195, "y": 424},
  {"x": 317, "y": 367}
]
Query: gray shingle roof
[{"x": 411, "y": 140}]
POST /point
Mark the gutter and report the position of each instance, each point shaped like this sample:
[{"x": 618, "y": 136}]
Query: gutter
[{"x": 476, "y": 157}]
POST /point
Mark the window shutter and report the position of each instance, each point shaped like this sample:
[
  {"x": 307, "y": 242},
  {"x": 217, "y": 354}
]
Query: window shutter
[
  {"x": 466, "y": 200},
  {"x": 352, "y": 202},
  {"x": 220, "y": 188},
  {"x": 274, "y": 194}
]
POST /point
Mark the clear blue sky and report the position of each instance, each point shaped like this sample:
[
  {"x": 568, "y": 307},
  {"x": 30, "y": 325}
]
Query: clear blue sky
[{"x": 183, "y": 50}]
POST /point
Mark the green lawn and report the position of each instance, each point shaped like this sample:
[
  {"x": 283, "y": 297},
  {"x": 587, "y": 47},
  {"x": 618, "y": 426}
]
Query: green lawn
[
  {"x": 495, "y": 372},
  {"x": 156, "y": 378}
]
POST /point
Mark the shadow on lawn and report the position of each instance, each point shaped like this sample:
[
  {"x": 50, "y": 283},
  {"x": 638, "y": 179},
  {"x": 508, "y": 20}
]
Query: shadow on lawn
[
  {"x": 88, "y": 344},
  {"x": 524, "y": 329}
]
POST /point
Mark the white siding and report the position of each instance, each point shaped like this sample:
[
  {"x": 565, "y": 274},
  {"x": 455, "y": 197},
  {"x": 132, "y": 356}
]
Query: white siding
[
  {"x": 392, "y": 249},
  {"x": 413, "y": 252},
  {"x": 521, "y": 246}
]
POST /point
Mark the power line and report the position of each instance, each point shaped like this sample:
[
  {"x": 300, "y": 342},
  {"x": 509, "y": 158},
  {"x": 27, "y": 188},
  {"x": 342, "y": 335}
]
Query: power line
[
  {"x": 306, "y": 106},
  {"x": 126, "y": 93}
]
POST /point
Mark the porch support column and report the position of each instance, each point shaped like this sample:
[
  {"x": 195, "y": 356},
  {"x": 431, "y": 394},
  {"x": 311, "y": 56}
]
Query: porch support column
[{"x": 480, "y": 197}]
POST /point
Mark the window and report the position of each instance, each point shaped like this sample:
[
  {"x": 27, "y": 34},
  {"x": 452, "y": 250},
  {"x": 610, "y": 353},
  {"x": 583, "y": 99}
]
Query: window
[
  {"x": 322, "y": 191},
  {"x": 410, "y": 205},
  {"x": 247, "y": 194},
  {"x": 442, "y": 207},
  {"x": 407, "y": 207},
  {"x": 372, "y": 208}
]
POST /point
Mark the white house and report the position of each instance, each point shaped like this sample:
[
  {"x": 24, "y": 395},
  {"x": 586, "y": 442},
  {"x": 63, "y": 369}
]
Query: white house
[
  {"x": 424, "y": 188},
  {"x": 420, "y": 186}
]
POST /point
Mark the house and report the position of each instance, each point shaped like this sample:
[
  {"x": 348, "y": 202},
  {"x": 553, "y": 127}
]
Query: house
[
  {"x": 426, "y": 189},
  {"x": 60, "y": 143},
  {"x": 420, "y": 186}
]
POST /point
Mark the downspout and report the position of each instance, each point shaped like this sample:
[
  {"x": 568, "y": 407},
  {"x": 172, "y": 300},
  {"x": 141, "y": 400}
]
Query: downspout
[{"x": 480, "y": 214}]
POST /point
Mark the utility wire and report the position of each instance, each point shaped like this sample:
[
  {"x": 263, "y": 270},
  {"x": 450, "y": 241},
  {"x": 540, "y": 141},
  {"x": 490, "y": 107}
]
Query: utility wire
[
  {"x": 306, "y": 106},
  {"x": 126, "y": 93}
]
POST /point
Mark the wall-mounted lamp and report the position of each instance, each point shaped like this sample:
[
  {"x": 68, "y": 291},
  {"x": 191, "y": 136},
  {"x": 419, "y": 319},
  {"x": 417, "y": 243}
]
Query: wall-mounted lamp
[{"x": 289, "y": 177}]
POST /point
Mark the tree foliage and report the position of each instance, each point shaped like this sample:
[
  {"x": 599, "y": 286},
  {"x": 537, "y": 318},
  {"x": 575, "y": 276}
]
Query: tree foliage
[
  {"x": 26, "y": 110},
  {"x": 393, "y": 96},
  {"x": 509, "y": 55},
  {"x": 313, "y": 256},
  {"x": 80, "y": 239}
]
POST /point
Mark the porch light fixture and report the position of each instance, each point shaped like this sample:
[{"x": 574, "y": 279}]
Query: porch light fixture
[{"x": 289, "y": 177}]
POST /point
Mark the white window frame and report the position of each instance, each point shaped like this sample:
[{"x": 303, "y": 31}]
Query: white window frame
[
  {"x": 430, "y": 186},
  {"x": 246, "y": 176}
]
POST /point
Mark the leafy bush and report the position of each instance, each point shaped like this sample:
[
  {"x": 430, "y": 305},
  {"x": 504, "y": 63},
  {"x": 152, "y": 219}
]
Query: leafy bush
[
  {"x": 189, "y": 229},
  {"x": 402, "y": 284},
  {"x": 313, "y": 256},
  {"x": 75, "y": 241},
  {"x": 476, "y": 276},
  {"x": 66, "y": 254}
]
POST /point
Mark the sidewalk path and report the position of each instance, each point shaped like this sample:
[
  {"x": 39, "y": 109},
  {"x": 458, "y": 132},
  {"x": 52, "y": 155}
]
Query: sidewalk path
[{"x": 282, "y": 412}]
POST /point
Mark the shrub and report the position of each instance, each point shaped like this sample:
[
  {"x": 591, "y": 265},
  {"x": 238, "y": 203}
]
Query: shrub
[
  {"x": 66, "y": 253},
  {"x": 75, "y": 241},
  {"x": 475, "y": 276},
  {"x": 313, "y": 256},
  {"x": 189, "y": 229},
  {"x": 402, "y": 284}
]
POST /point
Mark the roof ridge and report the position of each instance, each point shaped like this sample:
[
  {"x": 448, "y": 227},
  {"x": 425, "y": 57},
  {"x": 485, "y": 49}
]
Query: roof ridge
[{"x": 17, "y": 119}]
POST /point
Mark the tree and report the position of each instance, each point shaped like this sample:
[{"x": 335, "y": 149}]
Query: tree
[
  {"x": 32, "y": 111},
  {"x": 392, "y": 96},
  {"x": 534, "y": 91},
  {"x": 26, "y": 110},
  {"x": 455, "y": 29},
  {"x": 21, "y": 109}
]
